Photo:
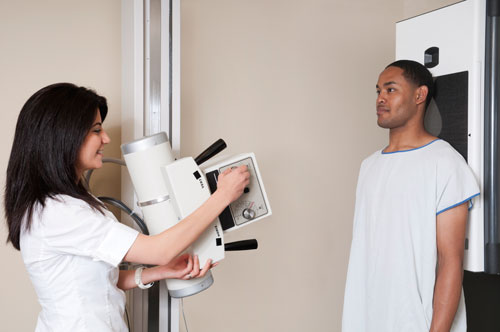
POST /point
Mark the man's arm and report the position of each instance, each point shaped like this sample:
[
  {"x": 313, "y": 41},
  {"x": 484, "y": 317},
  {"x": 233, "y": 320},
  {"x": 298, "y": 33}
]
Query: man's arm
[{"x": 450, "y": 233}]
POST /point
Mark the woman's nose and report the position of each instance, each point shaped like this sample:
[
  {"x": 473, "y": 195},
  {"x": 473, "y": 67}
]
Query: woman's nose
[{"x": 105, "y": 138}]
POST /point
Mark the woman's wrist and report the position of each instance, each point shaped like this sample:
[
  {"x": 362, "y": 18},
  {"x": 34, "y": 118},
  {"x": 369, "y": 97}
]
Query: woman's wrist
[
  {"x": 222, "y": 198},
  {"x": 138, "y": 279},
  {"x": 150, "y": 274}
]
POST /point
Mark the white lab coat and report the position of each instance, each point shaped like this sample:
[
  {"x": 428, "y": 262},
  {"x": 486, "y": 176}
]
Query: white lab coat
[{"x": 71, "y": 253}]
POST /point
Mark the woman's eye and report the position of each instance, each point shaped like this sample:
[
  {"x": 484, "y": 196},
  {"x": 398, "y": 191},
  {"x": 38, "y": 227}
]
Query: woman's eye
[{"x": 97, "y": 131}]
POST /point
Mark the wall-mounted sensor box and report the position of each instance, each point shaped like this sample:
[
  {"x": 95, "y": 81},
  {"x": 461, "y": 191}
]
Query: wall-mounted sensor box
[{"x": 431, "y": 57}]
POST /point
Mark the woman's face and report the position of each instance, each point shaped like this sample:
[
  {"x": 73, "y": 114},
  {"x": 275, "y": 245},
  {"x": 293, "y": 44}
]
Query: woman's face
[{"x": 90, "y": 154}]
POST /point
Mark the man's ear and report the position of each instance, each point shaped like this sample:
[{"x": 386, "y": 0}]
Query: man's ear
[{"x": 421, "y": 94}]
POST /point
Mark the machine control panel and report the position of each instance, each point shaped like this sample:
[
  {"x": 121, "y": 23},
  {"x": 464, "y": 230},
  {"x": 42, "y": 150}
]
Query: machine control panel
[{"x": 253, "y": 205}]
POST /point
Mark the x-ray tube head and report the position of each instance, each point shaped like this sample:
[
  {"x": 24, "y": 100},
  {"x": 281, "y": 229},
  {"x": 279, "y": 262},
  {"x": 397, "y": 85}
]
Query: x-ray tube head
[{"x": 145, "y": 158}]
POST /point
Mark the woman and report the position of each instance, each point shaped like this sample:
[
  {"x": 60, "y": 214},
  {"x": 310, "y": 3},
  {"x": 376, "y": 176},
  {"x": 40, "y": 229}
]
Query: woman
[{"x": 71, "y": 245}]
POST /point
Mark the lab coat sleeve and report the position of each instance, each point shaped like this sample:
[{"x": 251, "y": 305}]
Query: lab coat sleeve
[{"x": 73, "y": 227}]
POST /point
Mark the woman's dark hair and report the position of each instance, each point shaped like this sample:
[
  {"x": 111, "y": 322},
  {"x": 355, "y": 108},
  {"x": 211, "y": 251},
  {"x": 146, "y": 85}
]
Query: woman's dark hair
[
  {"x": 417, "y": 74},
  {"x": 50, "y": 130}
]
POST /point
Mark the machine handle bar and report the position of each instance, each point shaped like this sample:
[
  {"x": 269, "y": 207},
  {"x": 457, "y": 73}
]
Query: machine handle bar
[
  {"x": 241, "y": 245},
  {"x": 211, "y": 151}
]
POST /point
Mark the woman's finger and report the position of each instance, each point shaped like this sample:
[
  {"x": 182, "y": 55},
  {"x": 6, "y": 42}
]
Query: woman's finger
[
  {"x": 227, "y": 171},
  {"x": 189, "y": 264},
  {"x": 207, "y": 267},
  {"x": 186, "y": 271},
  {"x": 196, "y": 267}
]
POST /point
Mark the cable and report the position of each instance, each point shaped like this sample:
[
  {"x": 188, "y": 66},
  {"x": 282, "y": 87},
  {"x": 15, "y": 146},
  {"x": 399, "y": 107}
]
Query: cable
[
  {"x": 119, "y": 204},
  {"x": 115, "y": 202},
  {"x": 184, "y": 315},
  {"x": 128, "y": 321}
]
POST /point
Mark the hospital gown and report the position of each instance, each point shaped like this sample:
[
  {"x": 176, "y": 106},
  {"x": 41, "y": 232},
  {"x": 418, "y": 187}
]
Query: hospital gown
[{"x": 392, "y": 265}]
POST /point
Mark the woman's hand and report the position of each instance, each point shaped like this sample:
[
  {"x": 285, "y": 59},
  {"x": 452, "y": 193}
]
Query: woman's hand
[
  {"x": 232, "y": 182},
  {"x": 161, "y": 249},
  {"x": 185, "y": 267},
  {"x": 178, "y": 267}
]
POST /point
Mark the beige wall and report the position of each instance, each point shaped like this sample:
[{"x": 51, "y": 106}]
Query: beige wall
[
  {"x": 291, "y": 80},
  {"x": 294, "y": 82},
  {"x": 413, "y": 8},
  {"x": 44, "y": 42}
]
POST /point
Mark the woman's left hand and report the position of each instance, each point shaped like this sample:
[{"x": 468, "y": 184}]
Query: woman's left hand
[
  {"x": 185, "y": 267},
  {"x": 196, "y": 272}
]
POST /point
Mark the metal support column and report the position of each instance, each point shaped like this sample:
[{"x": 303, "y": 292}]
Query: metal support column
[{"x": 150, "y": 104}]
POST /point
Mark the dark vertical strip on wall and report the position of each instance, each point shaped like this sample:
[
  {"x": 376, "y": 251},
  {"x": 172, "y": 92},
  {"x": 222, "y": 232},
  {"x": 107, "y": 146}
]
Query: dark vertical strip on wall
[
  {"x": 491, "y": 142},
  {"x": 482, "y": 290},
  {"x": 154, "y": 308}
]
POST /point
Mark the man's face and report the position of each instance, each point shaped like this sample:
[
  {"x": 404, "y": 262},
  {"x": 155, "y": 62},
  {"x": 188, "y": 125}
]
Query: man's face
[{"x": 395, "y": 99}]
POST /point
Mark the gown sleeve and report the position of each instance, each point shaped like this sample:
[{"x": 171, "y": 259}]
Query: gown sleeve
[{"x": 456, "y": 183}]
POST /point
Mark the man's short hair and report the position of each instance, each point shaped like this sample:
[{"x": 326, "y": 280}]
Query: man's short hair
[{"x": 417, "y": 74}]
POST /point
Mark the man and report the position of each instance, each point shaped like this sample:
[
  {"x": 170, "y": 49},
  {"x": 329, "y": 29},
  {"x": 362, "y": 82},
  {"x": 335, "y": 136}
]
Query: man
[{"x": 405, "y": 268}]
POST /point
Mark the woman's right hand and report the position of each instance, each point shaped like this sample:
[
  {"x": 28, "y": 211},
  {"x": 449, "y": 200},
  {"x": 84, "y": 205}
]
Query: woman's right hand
[
  {"x": 162, "y": 248},
  {"x": 232, "y": 182}
]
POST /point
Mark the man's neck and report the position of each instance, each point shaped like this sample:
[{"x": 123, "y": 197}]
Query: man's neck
[{"x": 408, "y": 138}]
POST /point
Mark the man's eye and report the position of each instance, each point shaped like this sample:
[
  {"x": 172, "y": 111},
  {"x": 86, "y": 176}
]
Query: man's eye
[
  {"x": 391, "y": 90},
  {"x": 378, "y": 92}
]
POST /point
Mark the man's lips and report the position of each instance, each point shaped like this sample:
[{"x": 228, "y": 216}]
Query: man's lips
[{"x": 382, "y": 110}]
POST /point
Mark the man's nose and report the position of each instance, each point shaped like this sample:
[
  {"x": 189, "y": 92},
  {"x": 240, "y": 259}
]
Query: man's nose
[{"x": 380, "y": 99}]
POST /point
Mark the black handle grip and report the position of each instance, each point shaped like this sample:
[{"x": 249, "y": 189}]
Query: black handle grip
[
  {"x": 211, "y": 151},
  {"x": 241, "y": 245}
]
